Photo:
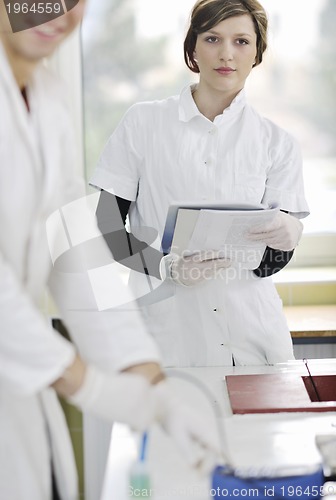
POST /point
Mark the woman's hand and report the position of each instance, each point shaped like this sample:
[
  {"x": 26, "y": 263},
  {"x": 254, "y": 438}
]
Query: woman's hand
[
  {"x": 192, "y": 269},
  {"x": 283, "y": 233}
]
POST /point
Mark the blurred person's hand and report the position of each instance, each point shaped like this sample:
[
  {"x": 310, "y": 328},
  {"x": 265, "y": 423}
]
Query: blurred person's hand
[
  {"x": 131, "y": 399},
  {"x": 125, "y": 397},
  {"x": 193, "y": 433}
]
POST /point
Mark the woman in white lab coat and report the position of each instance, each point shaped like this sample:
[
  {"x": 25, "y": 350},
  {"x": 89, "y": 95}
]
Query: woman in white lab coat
[
  {"x": 207, "y": 144},
  {"x": 38, "y": 178}
]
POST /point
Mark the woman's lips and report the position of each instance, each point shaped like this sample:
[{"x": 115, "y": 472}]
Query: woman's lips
[
  {"x": 48, "y": 31},
  {"x": 225, "y": 70}
]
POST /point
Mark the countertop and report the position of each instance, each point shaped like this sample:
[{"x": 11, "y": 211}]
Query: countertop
[{"x": 254, "y": 442}]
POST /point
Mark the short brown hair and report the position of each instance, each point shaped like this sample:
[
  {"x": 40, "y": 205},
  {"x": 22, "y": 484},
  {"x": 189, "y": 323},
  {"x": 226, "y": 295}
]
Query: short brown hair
[{"x": 208, "y": 13}]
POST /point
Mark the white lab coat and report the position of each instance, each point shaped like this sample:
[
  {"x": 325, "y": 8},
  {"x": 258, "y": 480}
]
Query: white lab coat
[
  {"x": 166, "y": 151},
  {"x": 37, "y": 177}
]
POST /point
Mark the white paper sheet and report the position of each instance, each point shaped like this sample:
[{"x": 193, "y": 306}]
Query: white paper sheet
[{"x": 224, "y": 231}]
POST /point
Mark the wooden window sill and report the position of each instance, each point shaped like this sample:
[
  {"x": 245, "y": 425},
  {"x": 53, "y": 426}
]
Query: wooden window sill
[{"x": 312, "y": 322}]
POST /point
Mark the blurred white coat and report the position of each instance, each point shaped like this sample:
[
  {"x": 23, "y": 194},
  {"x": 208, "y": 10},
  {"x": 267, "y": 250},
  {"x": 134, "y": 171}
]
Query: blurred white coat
[{"x": 37, "y": 178}]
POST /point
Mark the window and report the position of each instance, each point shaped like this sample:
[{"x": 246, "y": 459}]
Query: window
[{"x": 132, "y": 51}]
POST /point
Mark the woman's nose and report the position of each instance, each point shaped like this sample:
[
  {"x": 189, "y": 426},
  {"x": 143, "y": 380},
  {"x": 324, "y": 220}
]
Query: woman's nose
[{"x": 225, "y": 51}]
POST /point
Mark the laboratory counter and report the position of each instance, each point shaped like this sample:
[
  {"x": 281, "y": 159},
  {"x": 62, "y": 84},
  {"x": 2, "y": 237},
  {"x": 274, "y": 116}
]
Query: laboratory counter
[{"x": 259, "y": 442}]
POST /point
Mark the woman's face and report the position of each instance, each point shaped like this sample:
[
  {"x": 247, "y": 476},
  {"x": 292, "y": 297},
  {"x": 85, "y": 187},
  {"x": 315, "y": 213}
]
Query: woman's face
[
  {"x": 226, "y": 53},
  {"x": 38, "y": 42}
]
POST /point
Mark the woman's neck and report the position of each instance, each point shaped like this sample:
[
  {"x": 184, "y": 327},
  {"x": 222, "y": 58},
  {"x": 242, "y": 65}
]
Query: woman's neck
[
  {"x": 22, "y": 69},
  {"x": 212, "y": 104}
]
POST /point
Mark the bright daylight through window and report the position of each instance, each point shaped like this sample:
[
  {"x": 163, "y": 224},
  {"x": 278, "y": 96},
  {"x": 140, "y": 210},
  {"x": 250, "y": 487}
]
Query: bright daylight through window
[{"x": 132, "y": 51}]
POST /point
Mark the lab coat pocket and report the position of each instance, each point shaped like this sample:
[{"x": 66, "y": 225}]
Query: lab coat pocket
[
  {"x": 249, "y": 186},
  {"x": 250, "y": 176}
]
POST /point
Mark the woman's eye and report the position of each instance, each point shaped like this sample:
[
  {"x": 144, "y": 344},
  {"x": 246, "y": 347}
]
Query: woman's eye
[
  {"x": 242, "y": 41},
  {"x": 211, "y": 39}
]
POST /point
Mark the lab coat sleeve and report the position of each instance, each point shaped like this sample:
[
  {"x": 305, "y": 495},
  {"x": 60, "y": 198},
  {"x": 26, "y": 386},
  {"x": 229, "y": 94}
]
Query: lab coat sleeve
[
  {"x": 284, "y": 183},
  {"x": 118, "y": 169},
  {"x": 32, "y": 354},
  {"x": 111, "y": 213}
]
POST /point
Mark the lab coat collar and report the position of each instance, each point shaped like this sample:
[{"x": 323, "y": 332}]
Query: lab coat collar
[
  {"x": 19, "y": 110},
  {"x": 13, "y": 92},
  {"x": 8, "y": 81},
  {"x": 188, "y": 108},
  {"x": 29, "y": 123}
]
